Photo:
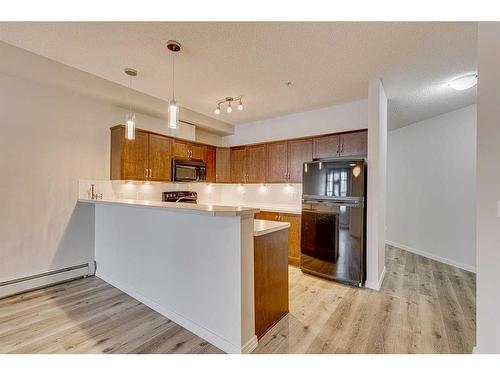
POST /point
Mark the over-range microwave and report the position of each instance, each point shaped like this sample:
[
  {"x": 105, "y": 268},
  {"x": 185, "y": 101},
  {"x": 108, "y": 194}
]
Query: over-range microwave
[{"x": 188, "y": 170}]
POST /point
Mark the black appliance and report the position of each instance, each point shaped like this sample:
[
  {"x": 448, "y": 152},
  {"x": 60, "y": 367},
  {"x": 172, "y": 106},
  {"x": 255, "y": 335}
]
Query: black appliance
[
  {"x": 189, "y": 170},
  {"x": 333, "y": 243},
  {"x": 180, "y": 196}
]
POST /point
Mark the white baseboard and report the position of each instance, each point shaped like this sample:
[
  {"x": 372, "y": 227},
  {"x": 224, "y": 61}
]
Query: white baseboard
[
  {"x": 250, "y": 345},
  {"x": 376, "y": 285},
  {"x": 8, "y": 288},
  {"x": 195, "y": 328},
  {"x": 450, "y": 262}
]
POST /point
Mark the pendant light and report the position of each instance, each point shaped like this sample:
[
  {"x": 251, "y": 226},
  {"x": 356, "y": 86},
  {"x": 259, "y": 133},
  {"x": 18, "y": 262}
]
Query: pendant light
[
  {"x": 173, "y": 108},
  {"x": 130, "y": 117}
]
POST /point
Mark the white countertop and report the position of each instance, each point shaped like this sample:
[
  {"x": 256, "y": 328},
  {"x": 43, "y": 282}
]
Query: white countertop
[
  {"x": 261, "y": 227},
  {"x": 296, "y": 210},
  {"x": 206, "y": 209}
]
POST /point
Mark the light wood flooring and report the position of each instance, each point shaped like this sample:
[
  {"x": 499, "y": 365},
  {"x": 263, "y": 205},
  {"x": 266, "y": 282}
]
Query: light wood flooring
[{"x": 424, "y": 307}]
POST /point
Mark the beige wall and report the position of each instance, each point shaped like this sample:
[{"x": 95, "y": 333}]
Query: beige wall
[
  {"x": 488, "y": 189},
  {"x": 50, "y": 138}
]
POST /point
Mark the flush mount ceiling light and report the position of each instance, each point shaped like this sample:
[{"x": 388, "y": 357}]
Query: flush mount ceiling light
[
  {"x": 130, "y": 117},
  {"x": 173, "y": 109},
  {"x": 464, "y": 82},
  {"x": 229, "y": 100}
]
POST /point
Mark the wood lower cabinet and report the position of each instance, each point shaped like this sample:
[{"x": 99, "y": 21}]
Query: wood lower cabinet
[
  {"x": 129, "y": 158},
  {"x": 270, "y": 280},
  {"x": 210, "y": 159},
  {"x": 223, "y": 165},
  {"x": 256, "y": 157},
  {"x": 238, "y": 164},
  {"x": 293, "y": 232},
  {"x": 299, "y": 152},
  {"x": 277, "y": 162},
  {"x": 160, "y": 158}
]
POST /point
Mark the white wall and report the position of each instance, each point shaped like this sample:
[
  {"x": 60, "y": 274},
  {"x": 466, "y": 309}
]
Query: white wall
[
  {"x": 50, "y": 138},
  {"x": 488, "y": 189},
  {"x": 336, "y": 118},
  {"x": 376, "y": 185},
  {"x": 431, "y": 169}
]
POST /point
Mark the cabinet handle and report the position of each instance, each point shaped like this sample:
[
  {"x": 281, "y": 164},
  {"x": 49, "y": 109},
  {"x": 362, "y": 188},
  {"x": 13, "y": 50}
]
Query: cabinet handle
[
  {"x": 338, "y": 147},
  {"x": 150, "y": 173},
  {"x": 342, "y": 150},
  {"x": 146, "y": 173}
]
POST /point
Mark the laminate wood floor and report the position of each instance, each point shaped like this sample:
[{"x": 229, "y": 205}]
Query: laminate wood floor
[{"x": 424, "y": 307}]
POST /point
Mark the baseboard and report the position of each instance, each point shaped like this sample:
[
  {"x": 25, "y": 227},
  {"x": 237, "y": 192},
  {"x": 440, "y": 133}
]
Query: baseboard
[
  {"x": 250, "y": 345},
  {"x": 25, "y": 284},
  {"x": 195, "y": 328},
  {"x": 433, "y": 256},
  {"x": 376, "y": 285}
]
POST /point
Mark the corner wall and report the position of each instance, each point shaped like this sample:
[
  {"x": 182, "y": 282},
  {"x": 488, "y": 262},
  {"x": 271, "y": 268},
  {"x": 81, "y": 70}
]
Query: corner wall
[
  {"x": 488, "y": 189},
  {"x": 431, "y": 169}
]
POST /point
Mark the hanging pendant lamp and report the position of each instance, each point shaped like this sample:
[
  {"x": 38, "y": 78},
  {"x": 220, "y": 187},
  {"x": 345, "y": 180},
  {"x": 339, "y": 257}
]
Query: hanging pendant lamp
[
  {"x": 130, "y": 117},
  {"x": 173, "y": 108}
]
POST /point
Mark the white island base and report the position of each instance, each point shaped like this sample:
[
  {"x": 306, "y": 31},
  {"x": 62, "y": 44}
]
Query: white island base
[{"x": 194, "y": 266}]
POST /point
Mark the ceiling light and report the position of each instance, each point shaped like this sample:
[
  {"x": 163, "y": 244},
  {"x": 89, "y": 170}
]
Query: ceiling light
[
  {"x": 465, "y": 82},
  {"x": 228, "y": 101},
  {"x": 130, "y": 117},
  {"x": 173, "y": 108}
]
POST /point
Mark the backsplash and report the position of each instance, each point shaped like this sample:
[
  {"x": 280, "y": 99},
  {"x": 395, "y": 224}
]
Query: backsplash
[{"x": 283, "y": 195}]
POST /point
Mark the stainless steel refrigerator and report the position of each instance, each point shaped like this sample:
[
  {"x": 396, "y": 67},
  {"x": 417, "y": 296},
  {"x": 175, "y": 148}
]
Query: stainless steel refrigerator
[{"x": 333, "y": 243}]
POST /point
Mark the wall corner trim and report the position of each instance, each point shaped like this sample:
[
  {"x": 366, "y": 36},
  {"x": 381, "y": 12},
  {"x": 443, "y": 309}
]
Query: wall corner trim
[{"x": 377, "y": 285}]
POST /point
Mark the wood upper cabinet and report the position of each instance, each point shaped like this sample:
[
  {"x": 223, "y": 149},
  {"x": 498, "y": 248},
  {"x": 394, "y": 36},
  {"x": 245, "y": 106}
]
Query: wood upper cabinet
[
  {"x": 129, "y": 158},
  {"x": 179, "y": 149},
  {"x": 196, "y": 151},
  {"x": 326, "y": 147},
  {"x": 277, "y": 162},
  {"x": 256, "y": 159},
  {"x": 210, "y": 159},
  {"x": 238, "y": 164},
  {"x": 299, "y": 152},
  {"x": 160, "y": 158},
  {"x": 354, "y": 144},
  {"x": 187, "y": 150},
  {"x": 223, "y": 165}
]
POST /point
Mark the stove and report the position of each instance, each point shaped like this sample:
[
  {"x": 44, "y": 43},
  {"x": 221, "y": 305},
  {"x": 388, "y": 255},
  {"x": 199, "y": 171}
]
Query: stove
[{"x": 180, "y": 196}]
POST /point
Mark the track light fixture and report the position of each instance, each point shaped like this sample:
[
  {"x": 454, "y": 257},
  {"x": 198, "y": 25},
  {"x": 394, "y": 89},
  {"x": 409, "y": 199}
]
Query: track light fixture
[{"x": 229, "y": 100}]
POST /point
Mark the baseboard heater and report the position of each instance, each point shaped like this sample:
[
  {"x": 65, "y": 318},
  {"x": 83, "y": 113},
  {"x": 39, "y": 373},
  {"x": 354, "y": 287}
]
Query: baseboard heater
[{"x": 24, "y": 284}]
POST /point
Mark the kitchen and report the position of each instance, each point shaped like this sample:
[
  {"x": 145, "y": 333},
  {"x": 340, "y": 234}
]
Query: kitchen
[{"x": 248, "y": 218}]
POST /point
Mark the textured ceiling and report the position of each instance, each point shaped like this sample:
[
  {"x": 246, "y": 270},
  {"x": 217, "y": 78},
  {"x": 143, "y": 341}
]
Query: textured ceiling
[{"x": 328, "y": 62}]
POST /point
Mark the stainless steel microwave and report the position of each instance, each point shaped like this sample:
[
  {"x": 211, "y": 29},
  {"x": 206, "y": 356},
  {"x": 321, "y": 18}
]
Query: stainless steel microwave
[{"x": 188, "y": 170}]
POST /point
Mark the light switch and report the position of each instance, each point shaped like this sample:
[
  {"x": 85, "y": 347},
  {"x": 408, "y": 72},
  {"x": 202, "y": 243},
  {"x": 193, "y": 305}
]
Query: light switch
[{"x": 498, "y": 208}]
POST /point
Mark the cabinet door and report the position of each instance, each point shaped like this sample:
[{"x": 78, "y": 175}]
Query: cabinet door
[
  {"x": 179, "y": 149},
  {"x": 238, "y": 164},
  {"x": 223, "y": 165},
  {"x": 354, "y": 144},
  {"x": 135, "y": 157},
  {"x": 277, "y": 162},
  {"x": 267, "y": 215},
  {"x": 197, "y": 152},
  {"x": 256, "y": 163},
  {"x": 299, "y": 152},
  {"x": 211, "y": 163},
  {"x": 293, "y": 238},
  {"x": 160, "y": 158},
  {"x": 326, "y": 147}
]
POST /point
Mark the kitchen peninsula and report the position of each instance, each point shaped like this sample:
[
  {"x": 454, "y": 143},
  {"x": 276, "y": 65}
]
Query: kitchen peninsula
[{"x": 192, "y": 263}]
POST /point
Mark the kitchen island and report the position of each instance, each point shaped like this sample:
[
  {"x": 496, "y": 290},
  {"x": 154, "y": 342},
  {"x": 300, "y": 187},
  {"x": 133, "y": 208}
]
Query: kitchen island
[{"x": 192, "y": 263}]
